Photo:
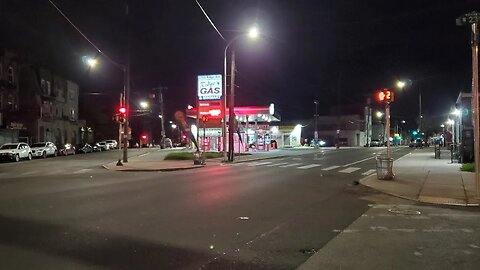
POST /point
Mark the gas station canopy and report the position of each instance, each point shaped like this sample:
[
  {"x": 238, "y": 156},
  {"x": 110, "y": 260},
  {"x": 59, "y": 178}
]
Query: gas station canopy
[{"x": 245, "y": 114}]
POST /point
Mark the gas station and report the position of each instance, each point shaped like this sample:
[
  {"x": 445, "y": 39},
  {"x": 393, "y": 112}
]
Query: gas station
[
  {"x": 253, "y": 125},
  {"x": 256, "y": 127}
]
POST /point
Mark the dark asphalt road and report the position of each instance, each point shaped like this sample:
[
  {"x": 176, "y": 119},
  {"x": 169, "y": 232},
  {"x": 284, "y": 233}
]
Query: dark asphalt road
[{"x": 69, "y": 213}]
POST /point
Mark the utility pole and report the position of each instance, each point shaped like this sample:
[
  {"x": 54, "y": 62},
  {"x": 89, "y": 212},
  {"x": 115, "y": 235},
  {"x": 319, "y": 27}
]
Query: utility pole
[
  {"x": 231, "y": 107},
  {"x": 315, "y": 134},
  {"x": 126, "y": 88},
  {"x": 420, "y": 116},
  {"x": 473, "y": 19},
  {"x": 162, "y": 112}
]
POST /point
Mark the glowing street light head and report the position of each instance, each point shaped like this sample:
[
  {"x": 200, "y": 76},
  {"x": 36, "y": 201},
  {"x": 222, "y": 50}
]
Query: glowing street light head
[
  {"x": 91, "y": 62},
  {"x": 401, "y": 84},
  {"x": 253, "y": 32},
  {"x": 456, "y": 112},
  {"x": 144, "y": 104},
  {"x": 379, "y": 114}
]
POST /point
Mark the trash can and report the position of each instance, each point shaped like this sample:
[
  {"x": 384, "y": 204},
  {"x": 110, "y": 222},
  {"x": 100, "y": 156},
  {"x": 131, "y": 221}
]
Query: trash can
[{"x": 384, "y": 168}]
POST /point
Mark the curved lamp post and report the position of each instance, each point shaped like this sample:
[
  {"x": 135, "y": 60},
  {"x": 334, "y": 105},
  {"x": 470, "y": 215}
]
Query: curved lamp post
[{"x": 252, "y": 33}]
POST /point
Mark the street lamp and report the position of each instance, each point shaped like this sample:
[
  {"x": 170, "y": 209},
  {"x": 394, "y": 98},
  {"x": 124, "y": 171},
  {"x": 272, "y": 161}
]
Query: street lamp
[
  {"x": 124, "y": 101},
  {"x": 144, "y": 105},
  {"x": 379, "y": 114},
  {"x": 404, "y": 83},
  {"x": 253, "y": 34}
]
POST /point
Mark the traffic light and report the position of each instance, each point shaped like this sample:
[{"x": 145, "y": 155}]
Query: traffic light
[
  {"x": 384, "y": 96},
  {"x": 122, "y": 114},
  {"x": 144, "y": 137}
]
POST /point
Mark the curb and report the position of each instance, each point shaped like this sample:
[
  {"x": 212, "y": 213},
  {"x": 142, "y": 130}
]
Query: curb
[
  {"x": 417, "y": 200},
  {"x": 155, "y": 170}
]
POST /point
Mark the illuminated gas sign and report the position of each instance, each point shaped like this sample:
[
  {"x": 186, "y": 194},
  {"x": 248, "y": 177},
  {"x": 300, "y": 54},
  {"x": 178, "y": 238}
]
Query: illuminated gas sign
[{"x": 209, "y": 87}]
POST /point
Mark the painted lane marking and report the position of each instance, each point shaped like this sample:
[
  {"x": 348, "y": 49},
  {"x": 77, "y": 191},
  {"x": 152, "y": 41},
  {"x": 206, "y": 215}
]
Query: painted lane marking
[
  {"x": 349, "y": 170},
  {"x": 308, "y": 166},
  {"x": 142, "y": 155},
  {"x": 290, "y": 165},
  {"x": 29, "y": 173},
  {"x": 356, "y": 162},
  {"x": 277, "y": 164},
  {"x": 330, "y": 168},
  {"x": 369, "y": 172},
  {"x": 259, "y": 163}
]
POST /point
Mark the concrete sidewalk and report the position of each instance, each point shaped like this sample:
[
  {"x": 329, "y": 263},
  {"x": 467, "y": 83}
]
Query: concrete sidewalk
[{"x": 421, "y": 177}]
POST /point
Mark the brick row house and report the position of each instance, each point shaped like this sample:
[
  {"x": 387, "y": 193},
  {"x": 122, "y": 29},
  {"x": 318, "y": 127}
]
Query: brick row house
[{"x": 38, "y": 105}]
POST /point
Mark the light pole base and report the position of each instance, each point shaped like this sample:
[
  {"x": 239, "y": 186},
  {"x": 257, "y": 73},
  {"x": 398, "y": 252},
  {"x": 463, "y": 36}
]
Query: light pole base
[{"x": 119, "y": 163}]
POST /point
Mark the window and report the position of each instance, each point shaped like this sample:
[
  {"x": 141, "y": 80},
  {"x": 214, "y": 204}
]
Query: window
[
  {"x": 11, "y": 75},
  {"x": 49, "y": 88}
]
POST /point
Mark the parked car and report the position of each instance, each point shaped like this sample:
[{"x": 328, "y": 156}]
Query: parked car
[
  {"x": 83, "y": 148},
  {"x": 112, "y": 144},
  {"x": 317, "y": 142},
  {"x": 168, "y": 143},
  {"x": 375, "y": 143},
  {"x": 15, "y": 151},
  {"x": 101, "y": 146},
  {"x": 43, "y": 149},
  {"x": 66, "y": 149}
]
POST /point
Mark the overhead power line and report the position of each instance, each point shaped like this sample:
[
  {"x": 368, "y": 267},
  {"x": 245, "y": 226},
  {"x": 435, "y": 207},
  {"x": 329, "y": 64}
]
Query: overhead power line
[
  {"x": 83, "y": 35},
  {"x": 208, "y": 18}
]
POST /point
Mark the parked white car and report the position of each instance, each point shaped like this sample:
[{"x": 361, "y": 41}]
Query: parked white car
[
  {"x": 15, "y": 151},
  {"x": 112, "y": 144},
  {"x": 43, "y": 149},
  {"x": 101, "y": 146}
]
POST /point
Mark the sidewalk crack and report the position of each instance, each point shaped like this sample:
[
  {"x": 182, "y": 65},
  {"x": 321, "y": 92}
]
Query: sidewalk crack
[
  {"x": 423, "y": 184},
  {"x": 464, "y": 189}
]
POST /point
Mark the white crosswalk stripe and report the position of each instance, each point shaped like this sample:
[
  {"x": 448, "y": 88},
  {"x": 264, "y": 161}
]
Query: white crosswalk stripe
[
  {"x": 349, "y": 170},
  {"x": 259, "y": 163},
  {"x": 82, "y": 171},
  {"x": 290, "y": 165},
  {"x": 308, "y": 166},
  {"x": 277, "y": 164},
  {"x": 369, "y": 172},
  {"x": 330, "y": 168}
]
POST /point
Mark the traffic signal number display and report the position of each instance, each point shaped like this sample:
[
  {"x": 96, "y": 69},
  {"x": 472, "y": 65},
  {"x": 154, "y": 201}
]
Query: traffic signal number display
[{"x": 384, "y": 96}]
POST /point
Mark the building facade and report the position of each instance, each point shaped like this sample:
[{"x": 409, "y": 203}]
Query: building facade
[
  {"x": 9, "y": 97},
  {"x": 37, "y": 105}
]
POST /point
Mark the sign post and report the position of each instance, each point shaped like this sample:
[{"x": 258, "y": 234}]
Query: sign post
[
  {"x": 385, "y": 165},
  {"x": 473, "y": 20}
]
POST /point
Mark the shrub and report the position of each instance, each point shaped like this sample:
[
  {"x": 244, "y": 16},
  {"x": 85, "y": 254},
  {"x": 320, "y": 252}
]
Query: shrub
[{"x": 468, "y": 167}]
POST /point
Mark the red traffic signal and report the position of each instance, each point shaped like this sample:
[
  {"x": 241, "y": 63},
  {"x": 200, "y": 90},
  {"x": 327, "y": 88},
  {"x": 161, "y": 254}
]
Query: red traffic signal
[
  {"x": 144, "y": 137},
  {"x": 384, "y": 96},
  {"x": 122, "y": 110}
]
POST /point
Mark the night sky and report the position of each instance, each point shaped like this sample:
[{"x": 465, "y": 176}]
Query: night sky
[{"x": 336, "y": 51}]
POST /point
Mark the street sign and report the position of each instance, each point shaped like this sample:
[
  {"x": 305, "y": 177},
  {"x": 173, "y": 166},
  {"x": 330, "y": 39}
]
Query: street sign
[
  {"x": 209, "y": 87},
  {"x": 469, "y": 18}
]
